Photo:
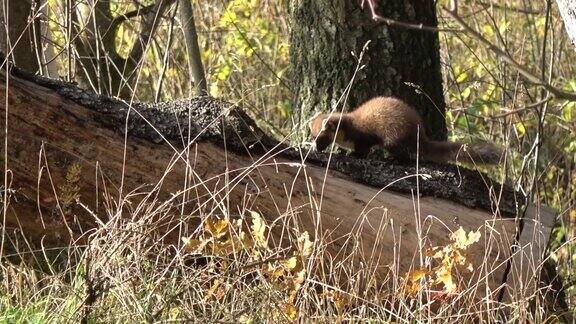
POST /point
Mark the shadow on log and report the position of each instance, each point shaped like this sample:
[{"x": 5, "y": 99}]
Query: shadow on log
[{"x": 77, "y": 159}]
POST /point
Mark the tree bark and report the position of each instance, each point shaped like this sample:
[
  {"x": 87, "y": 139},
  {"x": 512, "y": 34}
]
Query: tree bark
[
  {"x": 325, "y": 32},
  {"x": 69, "y": 172},
  {"x": 100, "y": 65},
  {"x": 21, "y": 37},
  {"x": 199, "y": 86},
  {"x": 567, "y": 10}
]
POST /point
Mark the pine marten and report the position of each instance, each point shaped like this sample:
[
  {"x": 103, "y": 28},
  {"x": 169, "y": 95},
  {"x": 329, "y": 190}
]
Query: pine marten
[{"x": 393, "y": 124}]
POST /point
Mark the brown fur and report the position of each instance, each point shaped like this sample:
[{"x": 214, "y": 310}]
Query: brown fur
[{"x": 391, "y": 123}]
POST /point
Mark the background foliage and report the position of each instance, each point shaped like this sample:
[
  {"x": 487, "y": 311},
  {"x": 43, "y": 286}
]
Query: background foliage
[{"x": 245, "y": 53}]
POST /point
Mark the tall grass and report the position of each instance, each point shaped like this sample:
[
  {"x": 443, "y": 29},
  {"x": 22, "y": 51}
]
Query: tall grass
[
  {"x": 121, "y": 273},
  {"x": 149, "y": 263}
]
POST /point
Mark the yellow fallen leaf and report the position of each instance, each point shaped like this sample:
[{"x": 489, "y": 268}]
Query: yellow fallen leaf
[
  {"x": 216, "y": 227},
  {"x": 192, "y": 245},
  {"x": 444, "y": 276},
  {"x": 417, "y": 275},
  {"x": 212, "y": 289},
  {"x": 304, "y": 244},
  {"x": 227, "y": 247},
  {"x": 340, "y": 301},
  {"x": 275, "y": 272},
  {"x": 299, "y": 278},
  {"x": 246, "y": 319},
  {"x": 174, "y": 313},
  {"x": 290, "y": 263},
  {"x": 462, "y": 241},
  {"x": 414, "y": 281},
  {"x": 290, "y": 311},
  {"x": 247, "y": 241},
  {"x": 461, "y": 259},
  {"x": 258, "y": 229}
]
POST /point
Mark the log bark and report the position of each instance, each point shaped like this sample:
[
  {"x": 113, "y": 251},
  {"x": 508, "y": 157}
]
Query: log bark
[{"x": 60, "y": 136}]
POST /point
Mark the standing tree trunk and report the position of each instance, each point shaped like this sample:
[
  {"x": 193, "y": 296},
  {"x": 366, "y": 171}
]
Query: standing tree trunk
[
  {"x": 101, "y": 65},
  {"x": 200, "y": 88},
  {"x": 20, "y": 35},
  {"x": 325, "y": 32},
  {"x": 567, "y": 10}
]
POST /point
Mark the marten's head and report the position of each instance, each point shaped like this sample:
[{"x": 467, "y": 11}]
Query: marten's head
[{"x": 323, "y": 130}]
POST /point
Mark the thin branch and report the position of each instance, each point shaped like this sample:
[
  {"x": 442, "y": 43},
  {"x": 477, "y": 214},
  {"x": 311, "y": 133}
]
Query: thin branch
[
  {"x": 527, "y": 107},
  {"x": 513, "y": 9},
  {"x": 242, "y": 33},
  {"x": 395, "y": 23},
  {"x": 527, "y": 74},
  {"x": 422, "y": 27},
  {"x": 165, "y": 58},
  {"x": 132, "y": 14},
  {"x": 150, "y": 22}
]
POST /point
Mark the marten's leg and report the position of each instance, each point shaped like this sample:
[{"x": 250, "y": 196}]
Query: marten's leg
[{"x": 401, "y": 154}]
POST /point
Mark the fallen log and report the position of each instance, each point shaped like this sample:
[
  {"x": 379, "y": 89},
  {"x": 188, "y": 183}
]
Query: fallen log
[{"x": 75, "y": 159}]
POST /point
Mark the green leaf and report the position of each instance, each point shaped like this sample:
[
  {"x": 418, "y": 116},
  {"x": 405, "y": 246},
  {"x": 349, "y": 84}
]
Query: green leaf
[
  {"x": 462, "y": 122},
  {"x": 568, "y": 111},
  {"x": 466, "y": 93},
  {"x": 224, "y": 72},
  {"x": 488, "y": 31},
  {"x": 520, "y": 129},
  {"x": 463, "y": 76}
]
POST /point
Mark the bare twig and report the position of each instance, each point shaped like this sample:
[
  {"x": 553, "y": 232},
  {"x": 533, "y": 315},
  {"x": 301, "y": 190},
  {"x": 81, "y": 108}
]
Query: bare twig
[
  {"x": 132, "y": 14},
  {"x": 165, "y": 58},
  {"x": 401, "y": 24},
  {"x": 513, "y": 9},
  {"x": 242, "y": 33},
  {"x": 525, "y": 72},
  {"x": 150, "y": 23},
  {"x": 527, "y": 107},
  {"x": 395, "y": 23}
]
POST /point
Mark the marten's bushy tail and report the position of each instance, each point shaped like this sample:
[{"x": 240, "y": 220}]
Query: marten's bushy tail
[{"x": 475, "y": 153}]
